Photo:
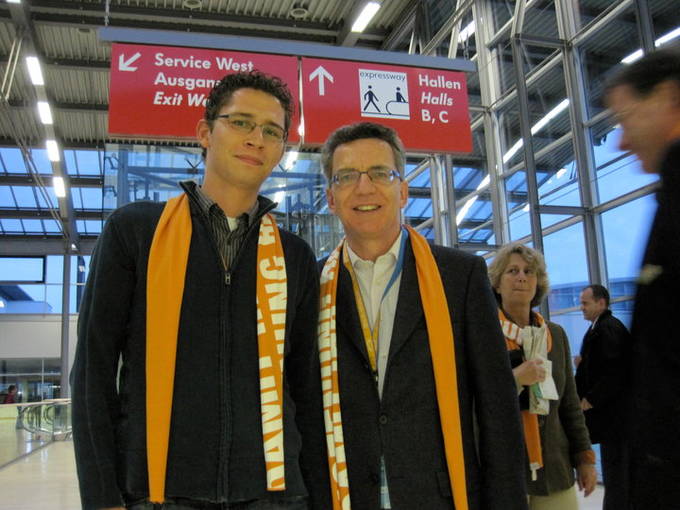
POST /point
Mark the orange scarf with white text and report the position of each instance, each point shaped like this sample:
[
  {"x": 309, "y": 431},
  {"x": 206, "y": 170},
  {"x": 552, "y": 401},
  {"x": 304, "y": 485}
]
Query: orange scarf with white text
[
  {"x": 440, "y": 333},
  {"x": 165, "y": 290}
]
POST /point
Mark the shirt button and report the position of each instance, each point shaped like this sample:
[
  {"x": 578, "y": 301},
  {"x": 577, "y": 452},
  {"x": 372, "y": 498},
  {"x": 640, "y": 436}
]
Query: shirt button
[{"x": 383, "y": 419}]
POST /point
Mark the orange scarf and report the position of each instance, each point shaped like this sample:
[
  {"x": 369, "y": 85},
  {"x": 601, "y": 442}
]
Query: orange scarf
[
  {"x": 167, "y": 265},
  {"x": 440, "y": 333},
  {"x": 532, "y": 436}
]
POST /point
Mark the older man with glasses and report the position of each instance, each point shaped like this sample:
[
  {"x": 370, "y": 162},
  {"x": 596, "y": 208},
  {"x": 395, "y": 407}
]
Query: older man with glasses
[
  {"x": 196, "y": 383},
  {"x": 419, "y": 399}
]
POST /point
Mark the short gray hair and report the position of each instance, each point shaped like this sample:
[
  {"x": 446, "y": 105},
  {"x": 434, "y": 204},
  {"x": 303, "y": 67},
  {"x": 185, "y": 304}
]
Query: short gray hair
[{"x": 359, "y": 131}]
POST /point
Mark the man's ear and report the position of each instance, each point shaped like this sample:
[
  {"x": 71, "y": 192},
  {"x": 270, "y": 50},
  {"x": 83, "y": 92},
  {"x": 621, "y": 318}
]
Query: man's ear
[
  {"x": 203, "y": 133},
  {"x": 330, "y": 198},
  {"x": 403, "y": 193}
]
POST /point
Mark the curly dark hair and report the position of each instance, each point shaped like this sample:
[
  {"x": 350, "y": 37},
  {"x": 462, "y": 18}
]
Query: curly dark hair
[
  {"x": 359, "y": 131},
  {"x": 223, "y": 90}
]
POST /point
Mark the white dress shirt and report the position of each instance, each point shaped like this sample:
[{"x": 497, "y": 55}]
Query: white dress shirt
[{"x": 373, "y": 277}]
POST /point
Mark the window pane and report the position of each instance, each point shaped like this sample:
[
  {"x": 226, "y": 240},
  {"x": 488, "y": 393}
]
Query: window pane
[
  {"x": 625, "y": 230},
  {"x": 617, "y": 174},
  {"x": 565, "y": 256},
  {"x": 22, "y": 269}
]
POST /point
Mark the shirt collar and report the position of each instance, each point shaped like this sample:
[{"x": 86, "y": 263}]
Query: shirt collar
[
  {"x": 206, "y": 203},
  {"x": 392, "y": 254}
]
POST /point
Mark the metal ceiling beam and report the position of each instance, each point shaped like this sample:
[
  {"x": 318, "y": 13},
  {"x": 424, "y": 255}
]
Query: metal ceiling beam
[
  {"x": 51, "y": 244},
  {"x": 70, "y": 64},
  {"x": 45, "y": 214},
  {"x": 402, "y": 30},
  {"x": 65, "y": 107},
  {"x": 48, "y": 10},
  {"x": 181, "y": 26},
  {"x": 29, "y": 180}
]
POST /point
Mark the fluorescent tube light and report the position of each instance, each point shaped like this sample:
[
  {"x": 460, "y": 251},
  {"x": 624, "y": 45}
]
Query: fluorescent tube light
[
  {"x": 673, "y": 34},
  {"x": 467, "y": 32},
  {"x": 59, "y": 188},
  {"x": 45, "y": 112},
  {"x": 464, "y": 210},
  {"x": 366, "y": 16},
  {"x": 52, "y": 150},
  {"x": 34, "y": 71},
  {"x": 536, "y": 128},
  {"x": 667, "y": 37}
]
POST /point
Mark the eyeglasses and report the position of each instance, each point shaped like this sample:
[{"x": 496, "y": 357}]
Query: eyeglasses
[
  {"x": 379, "y": 176},
  {"x": 270, "y": 132}
]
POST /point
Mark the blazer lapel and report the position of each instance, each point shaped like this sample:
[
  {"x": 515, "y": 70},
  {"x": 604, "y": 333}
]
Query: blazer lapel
[
  {"x": 409, "y": 306},
  {"x": 348, "y": 325}
]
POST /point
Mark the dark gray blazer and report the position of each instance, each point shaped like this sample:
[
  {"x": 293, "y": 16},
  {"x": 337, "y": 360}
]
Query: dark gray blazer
[{"x": 405, "y": 425}]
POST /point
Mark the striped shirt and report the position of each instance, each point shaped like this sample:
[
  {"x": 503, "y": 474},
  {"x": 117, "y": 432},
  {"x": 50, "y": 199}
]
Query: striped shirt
[{"x": 228, "y": 233}]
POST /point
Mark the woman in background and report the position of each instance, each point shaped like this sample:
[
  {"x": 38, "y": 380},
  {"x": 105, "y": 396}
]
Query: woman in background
[{"x": 555, "y": 433}]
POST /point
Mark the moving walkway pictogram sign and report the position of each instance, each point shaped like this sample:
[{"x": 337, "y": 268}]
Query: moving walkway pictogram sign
[
  {"x": 427, "y": 107},
  {"x": 160, "y": 92}
]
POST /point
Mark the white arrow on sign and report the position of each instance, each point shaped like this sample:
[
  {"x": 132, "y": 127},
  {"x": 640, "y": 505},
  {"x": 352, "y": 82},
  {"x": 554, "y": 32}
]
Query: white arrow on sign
[
  {"x": 321, "y": 74},
  {"x": 124, "y": 65}
]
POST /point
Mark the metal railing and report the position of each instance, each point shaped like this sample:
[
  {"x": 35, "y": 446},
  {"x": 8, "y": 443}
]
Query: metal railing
[{"x": 25, "y": 428}]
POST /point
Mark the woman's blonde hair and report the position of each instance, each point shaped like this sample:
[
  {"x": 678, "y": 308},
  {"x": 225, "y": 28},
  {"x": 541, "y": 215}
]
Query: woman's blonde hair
[{"x": 532, "y": 257}]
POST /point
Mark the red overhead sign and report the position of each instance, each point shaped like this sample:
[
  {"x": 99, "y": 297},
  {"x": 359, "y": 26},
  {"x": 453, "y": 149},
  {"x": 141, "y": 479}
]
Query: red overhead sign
[
  {"x": 427, "y": 107},
  {"x": 160, "y": 91}
]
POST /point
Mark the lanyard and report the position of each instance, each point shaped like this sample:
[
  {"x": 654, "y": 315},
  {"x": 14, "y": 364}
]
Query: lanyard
[{"x": 371, "y": 335}]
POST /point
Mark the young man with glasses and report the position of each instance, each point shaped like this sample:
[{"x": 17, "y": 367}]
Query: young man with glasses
[
  {"x": 419, "y": 399},
  {"x": 211, "y": 310}
]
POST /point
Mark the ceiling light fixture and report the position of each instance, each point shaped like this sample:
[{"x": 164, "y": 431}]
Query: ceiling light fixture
[
  {"x": 34, "y": 71},
  {"x": 192, "y": 4},
  {"x": 366, "y": 16},
  {"x": 299, "y": 10},
  {"x": 673, "y": 34},
  {"x": 59, "y": 187},
  {"x": 467, "y": 32},
  {"x": 52, "y": 150},
  {"x": 45, "y": 112}
]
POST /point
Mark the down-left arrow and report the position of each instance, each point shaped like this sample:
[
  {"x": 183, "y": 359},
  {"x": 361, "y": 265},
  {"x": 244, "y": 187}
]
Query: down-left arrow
[{"x": 124, "y": 65}]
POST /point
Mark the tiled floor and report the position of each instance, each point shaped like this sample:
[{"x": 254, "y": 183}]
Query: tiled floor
[{"x": 46, "y": 480}]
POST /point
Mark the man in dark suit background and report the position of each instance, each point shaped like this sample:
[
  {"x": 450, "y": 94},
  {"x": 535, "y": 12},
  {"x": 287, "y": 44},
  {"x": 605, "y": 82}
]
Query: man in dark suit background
[
  {"x": 601, "y": 377},
  {"x": 645, "y": 99},
  {"x": 391, "y": 401}
]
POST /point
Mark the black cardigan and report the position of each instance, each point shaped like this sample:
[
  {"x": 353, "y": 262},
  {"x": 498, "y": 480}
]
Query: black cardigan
[{"x": 215, "y": 448}]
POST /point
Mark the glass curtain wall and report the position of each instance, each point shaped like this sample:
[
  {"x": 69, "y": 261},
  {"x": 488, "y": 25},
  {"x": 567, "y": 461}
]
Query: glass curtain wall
[{"x": 545, "y": 168}]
